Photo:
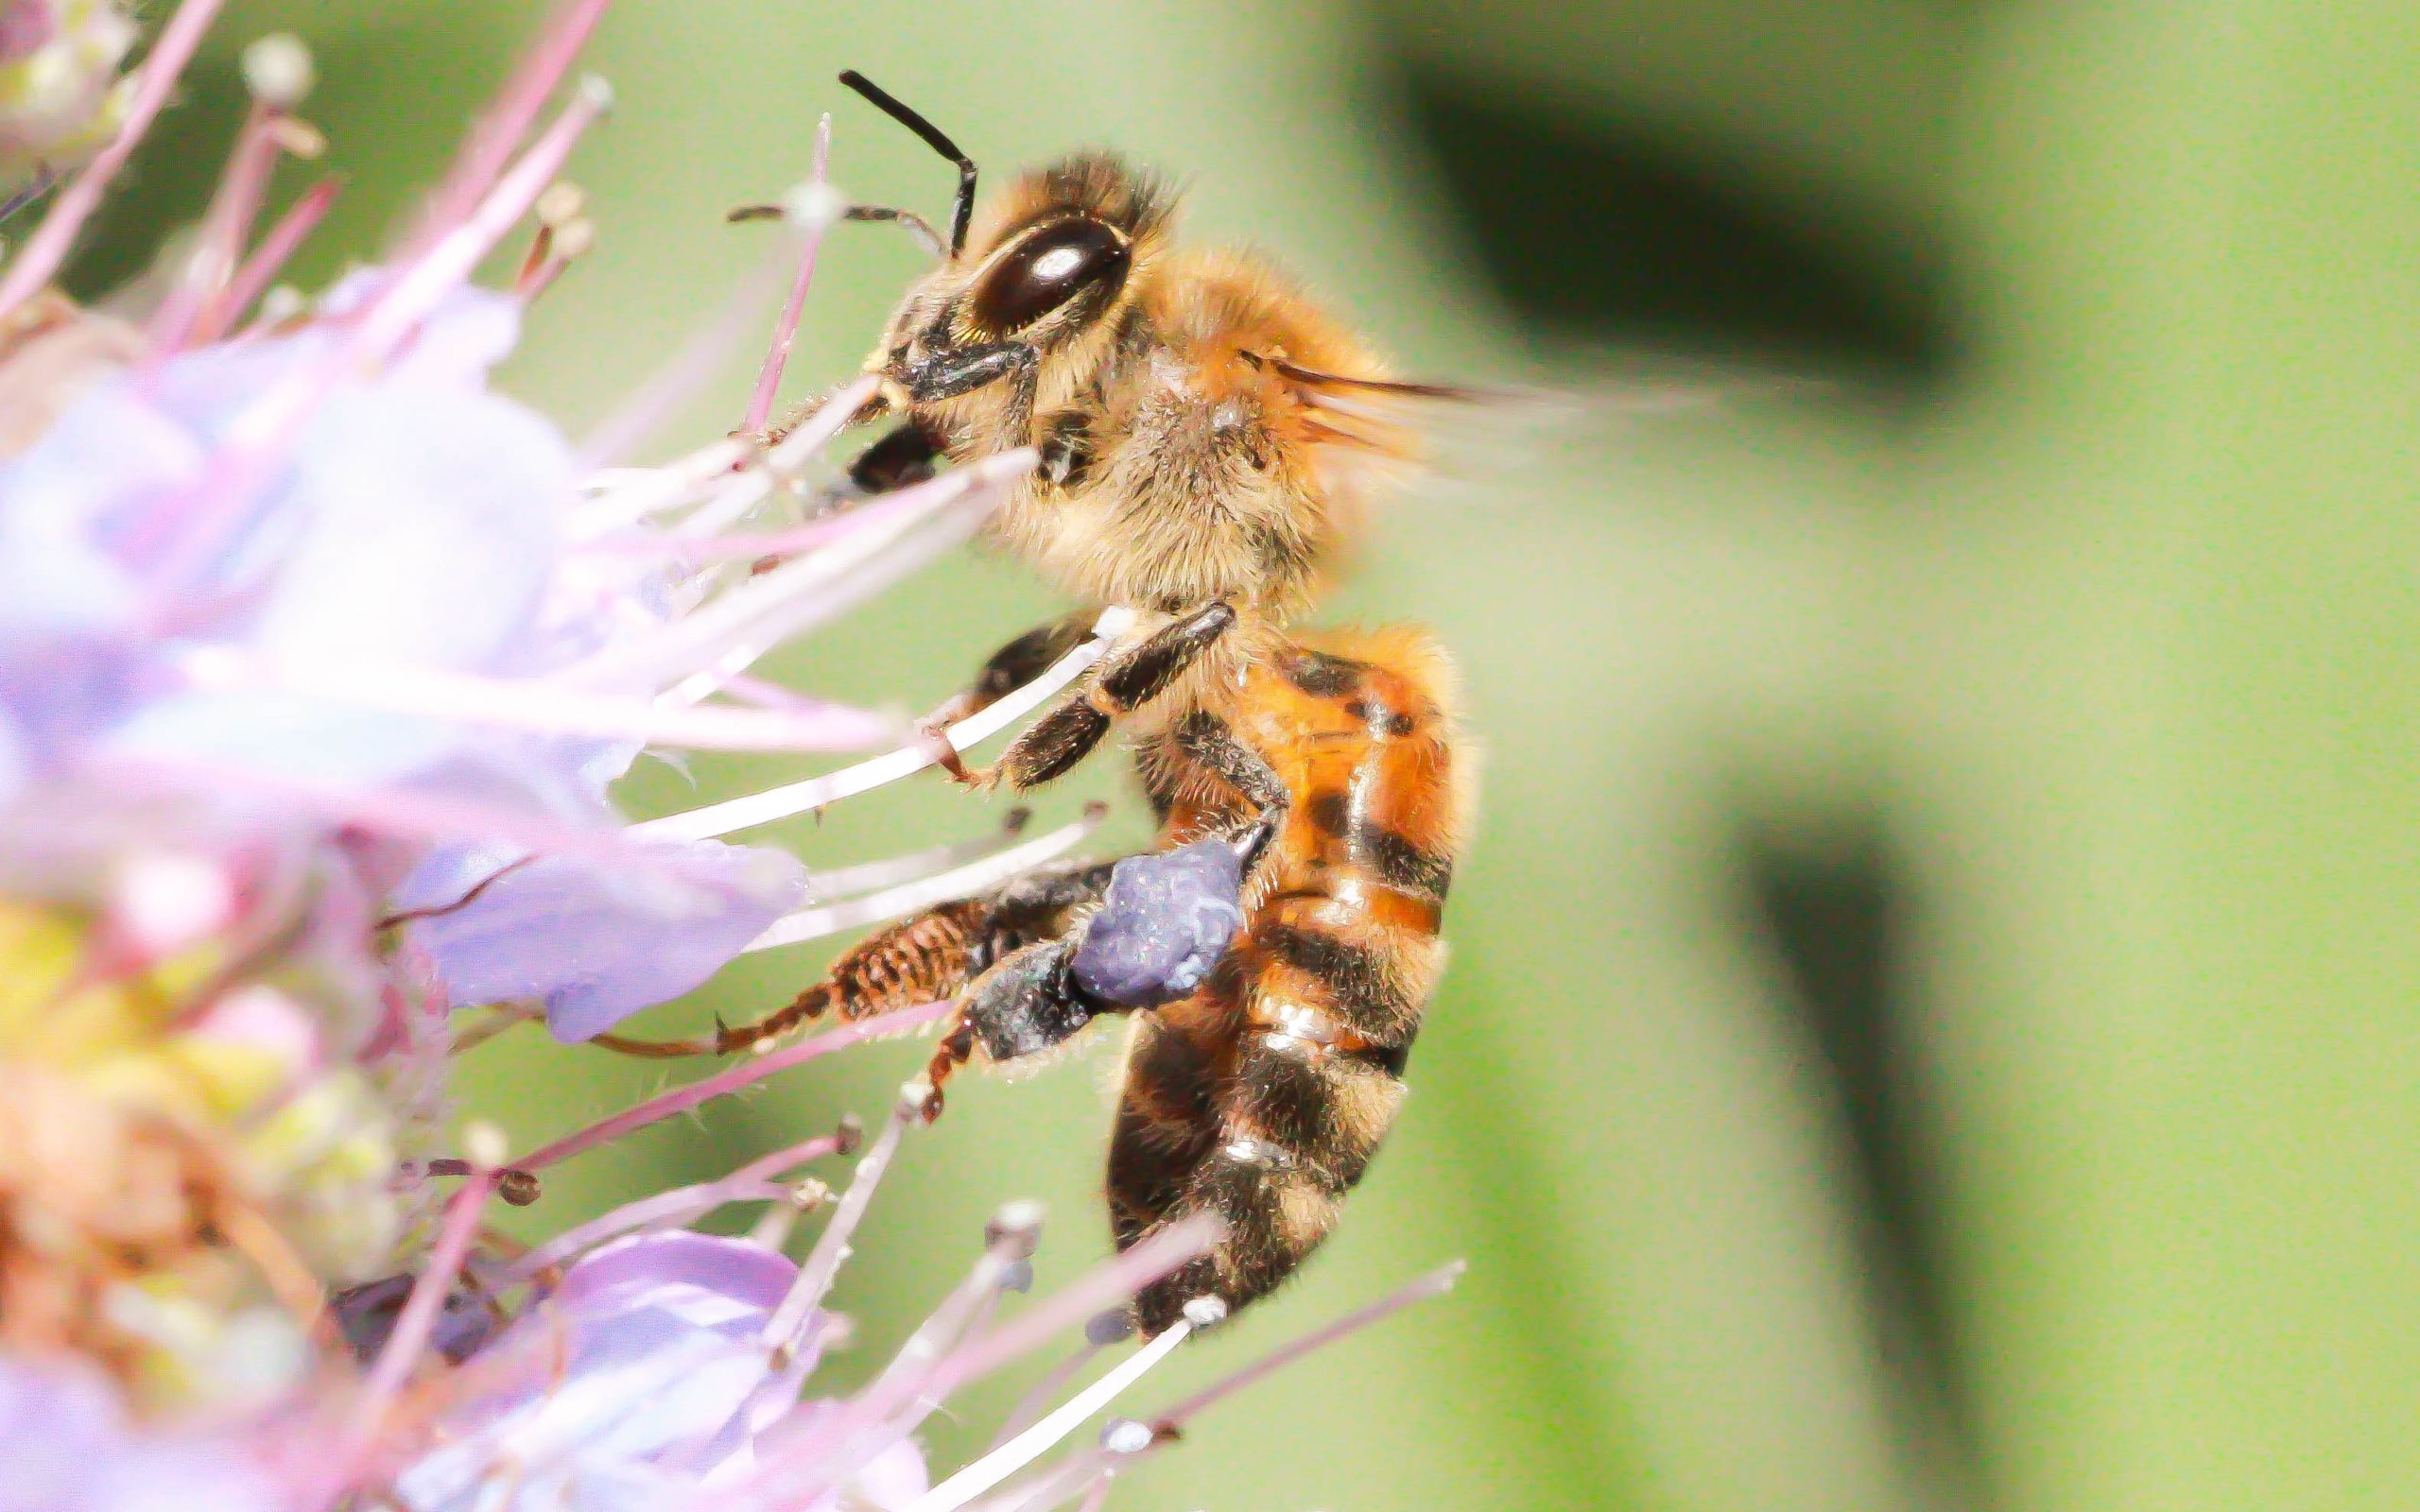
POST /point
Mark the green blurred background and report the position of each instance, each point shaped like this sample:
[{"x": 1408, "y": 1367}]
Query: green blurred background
[{"x": 1932, "y": 1021}]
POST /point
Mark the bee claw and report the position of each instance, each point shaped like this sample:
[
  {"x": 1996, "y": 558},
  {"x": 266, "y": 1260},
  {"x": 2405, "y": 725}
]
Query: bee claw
[{"x": 945, "y": 756}]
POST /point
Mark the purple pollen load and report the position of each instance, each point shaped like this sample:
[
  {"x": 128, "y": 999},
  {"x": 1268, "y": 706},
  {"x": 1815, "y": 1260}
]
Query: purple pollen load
[{"x": 1165, "y": 924}]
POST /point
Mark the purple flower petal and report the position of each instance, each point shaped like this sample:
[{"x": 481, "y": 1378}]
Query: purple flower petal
[
  {"x": 70, "y": 1449},
  {"x": 1164, "y": 923},
  {"x": 419, "y": 521},
  {"x": 600, "y": 940},
  {"x": 639, "y": 1372}
]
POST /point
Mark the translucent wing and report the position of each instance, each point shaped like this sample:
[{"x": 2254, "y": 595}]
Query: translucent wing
[{"x": 1448, "y": 440}]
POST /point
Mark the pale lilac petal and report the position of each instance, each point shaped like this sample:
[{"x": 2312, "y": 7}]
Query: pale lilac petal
[
  {"x": 69, "y": 1448},
  {"x": 470, "y": 332},
  {"x": 638, "y": 1366},
  {"x": 596, "y": 942},
  {"x": 68, "y": 494},
  {"x": 431, "y": 520},
  {"x": 419, "y": 523}
]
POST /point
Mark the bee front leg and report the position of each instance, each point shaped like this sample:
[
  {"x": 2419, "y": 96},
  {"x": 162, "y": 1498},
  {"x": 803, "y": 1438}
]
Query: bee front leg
[
  {"x": 956, "y": 370},
  {"x": 1129, "y": 679},
  {"x": 1010, "y": 668}
]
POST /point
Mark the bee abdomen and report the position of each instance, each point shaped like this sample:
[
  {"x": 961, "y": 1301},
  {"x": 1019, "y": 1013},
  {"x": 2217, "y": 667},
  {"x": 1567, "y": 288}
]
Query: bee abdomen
[
  {"x": 1315, "y": 1023},
  {"x": 1264, "y": 1097},
  {"x": 1276, "y": 1211}
]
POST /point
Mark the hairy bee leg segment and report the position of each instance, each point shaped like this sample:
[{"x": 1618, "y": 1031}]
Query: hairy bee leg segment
[
  {"x": 1022, "y": 659},
  {"x": 914, "y": 224},
  {"x": 1205, "y": 738},
  {"x": 1127, "y": 680},
  {"x": 934, "y": 954},
  {"x": 1009, "y": 668},
  {"x": 1027, "y": 1003}
]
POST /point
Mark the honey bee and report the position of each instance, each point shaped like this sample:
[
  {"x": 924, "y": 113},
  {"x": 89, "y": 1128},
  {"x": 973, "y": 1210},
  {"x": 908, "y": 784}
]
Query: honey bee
[{"x": 1208, "y": 435}]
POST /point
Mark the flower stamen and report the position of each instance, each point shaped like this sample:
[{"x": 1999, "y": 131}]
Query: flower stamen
[{"x": 768, "y": 379}]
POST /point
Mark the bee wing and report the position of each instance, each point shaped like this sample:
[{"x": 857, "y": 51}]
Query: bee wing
[
  {"x": 1383, "y": 433},
  {"x": 1453, "y": 438}
]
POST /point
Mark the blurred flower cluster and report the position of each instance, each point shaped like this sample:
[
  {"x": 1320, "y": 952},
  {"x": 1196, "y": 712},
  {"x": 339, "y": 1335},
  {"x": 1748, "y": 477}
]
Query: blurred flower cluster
[
  {"x": 317, "y": 658},
  {"x": 60, "y": 97}
]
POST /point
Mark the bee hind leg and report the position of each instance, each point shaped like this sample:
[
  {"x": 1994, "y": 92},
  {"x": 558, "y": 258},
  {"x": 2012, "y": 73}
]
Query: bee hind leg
[
  {"x": 928, "y": 956},
  {"x": 1027, "y": 1003},
  {"x": 1166, "y": 921},
  {"x": 916, "y": 960}
]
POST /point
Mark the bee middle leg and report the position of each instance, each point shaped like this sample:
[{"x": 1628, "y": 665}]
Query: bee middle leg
[{"x": 1129, "y": 679}]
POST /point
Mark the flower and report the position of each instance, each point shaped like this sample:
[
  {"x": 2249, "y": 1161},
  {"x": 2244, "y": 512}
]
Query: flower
[
  {"x": 72, "y": 1449},
  {"x": 627, "y": 1382}
]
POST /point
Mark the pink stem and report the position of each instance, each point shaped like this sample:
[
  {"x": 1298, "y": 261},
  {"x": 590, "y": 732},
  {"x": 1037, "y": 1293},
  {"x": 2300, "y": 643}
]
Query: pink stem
[
  {"x": 47, "y": 247},
  {"x": 1109, "y": 1285},
  {"x": 769, "y": 378},
  {"x": 688, "y": 369},
  {"x": 252, "y": 280},
  {"x": 790, "y": 542},
  {"x": 1112, "y": 1282},
  {"x": 393, "y": 811},
  {"x": 1079, "y": 1468},
  {"x": 220, "y": 243},
  {"x": 680, "y": 1099},
  {"x": 539, "y": 280},
  {"x": 535, "y": 704},
  {"x": 729, "y": 631},
  {"x": 750, "y": 1183},
  {"x": 764, "y": 695},
  {"x": 446, "y": 265},
  {"x": 750, "y": 543},
  {"x": 498, "y": 132},
  {"x": 871, "y": 1419},
  {"x": 414, "y": 1324},
  {"x": 785, "y": 1330},
  {"x": 889, "y": 872},
  {"x": 1036, "y": 1401},
  {"x": 776, "y": 803}
]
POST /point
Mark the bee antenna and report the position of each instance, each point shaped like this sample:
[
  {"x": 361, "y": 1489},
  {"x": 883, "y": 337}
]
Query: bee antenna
[{"x": 963, "y": 212}]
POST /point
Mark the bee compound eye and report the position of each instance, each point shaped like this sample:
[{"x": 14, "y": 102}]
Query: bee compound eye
[{"x": 1049, "y": 267}]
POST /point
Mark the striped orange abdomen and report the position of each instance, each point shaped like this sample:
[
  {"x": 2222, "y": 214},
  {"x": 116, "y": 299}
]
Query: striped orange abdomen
[{"x": 1263, "y": 1097}]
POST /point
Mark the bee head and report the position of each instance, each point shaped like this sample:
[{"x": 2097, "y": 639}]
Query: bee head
[{"x": 1031, "y": 304}]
